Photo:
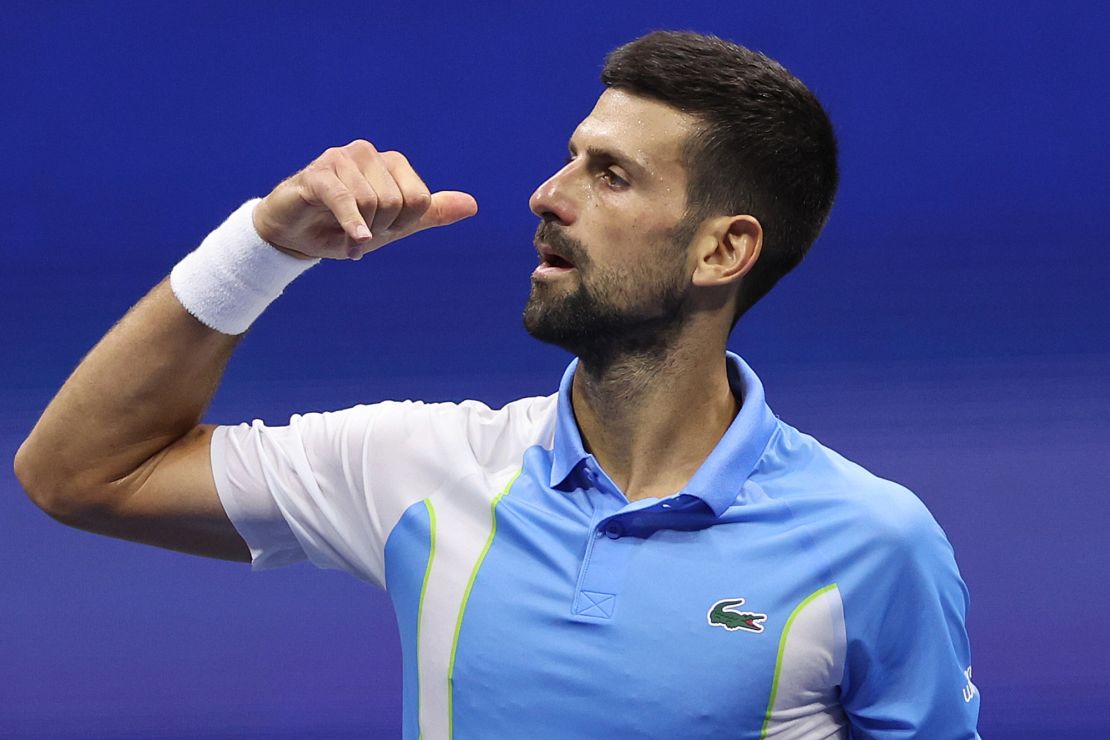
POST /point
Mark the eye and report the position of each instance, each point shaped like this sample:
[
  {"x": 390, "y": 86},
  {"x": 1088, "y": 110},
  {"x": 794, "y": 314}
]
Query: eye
[{"x": 615, "y": 180}]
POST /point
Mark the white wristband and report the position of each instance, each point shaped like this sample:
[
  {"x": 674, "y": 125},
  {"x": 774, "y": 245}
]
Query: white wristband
[{"x": 228, "y": 281}]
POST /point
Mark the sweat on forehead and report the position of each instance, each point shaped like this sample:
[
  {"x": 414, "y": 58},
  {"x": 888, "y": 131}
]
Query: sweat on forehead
[{"x": 645, "y": 133}]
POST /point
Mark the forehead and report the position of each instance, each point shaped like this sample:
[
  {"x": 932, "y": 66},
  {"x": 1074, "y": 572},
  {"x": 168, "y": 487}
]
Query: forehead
[{"x": 648, "y": 131}]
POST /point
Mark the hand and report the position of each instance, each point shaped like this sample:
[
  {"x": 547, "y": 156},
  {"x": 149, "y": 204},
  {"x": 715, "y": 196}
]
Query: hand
[{"x": 352, "y": 200}]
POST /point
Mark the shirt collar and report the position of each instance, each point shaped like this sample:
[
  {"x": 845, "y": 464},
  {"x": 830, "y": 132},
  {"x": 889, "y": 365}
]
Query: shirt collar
[{"x": 721, "y": 477}]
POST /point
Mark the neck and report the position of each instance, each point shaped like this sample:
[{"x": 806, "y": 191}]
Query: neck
[{"x": 650, "y": 420}]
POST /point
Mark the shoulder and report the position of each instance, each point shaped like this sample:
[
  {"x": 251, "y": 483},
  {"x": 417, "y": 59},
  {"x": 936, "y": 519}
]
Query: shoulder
[
  {"x": 874, "y": 537},
  {"x": 490, "y": 436},
  {"x": 841, "y": 495},
  {"x": 524, "y": 418},
  {"x": 469, "y": 415},
  {"x": 460, "y": 431}
]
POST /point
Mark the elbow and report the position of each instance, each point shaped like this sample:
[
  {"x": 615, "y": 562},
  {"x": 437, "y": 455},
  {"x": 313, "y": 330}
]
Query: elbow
[
  {"x": 25, "y": 472},
  {"x": 44, "y": 489}
]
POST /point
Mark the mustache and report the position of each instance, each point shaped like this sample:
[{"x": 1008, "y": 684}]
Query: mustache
[{"x": 568, "y": 248}]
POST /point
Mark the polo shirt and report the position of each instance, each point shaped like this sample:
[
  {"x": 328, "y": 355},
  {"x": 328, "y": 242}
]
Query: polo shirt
[{"x": 784, "y": 592}]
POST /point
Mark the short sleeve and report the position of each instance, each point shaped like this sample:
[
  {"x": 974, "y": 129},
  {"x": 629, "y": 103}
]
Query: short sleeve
[
  {"x": 329, "y": 486},
  {"x": 908, "y": 662}
]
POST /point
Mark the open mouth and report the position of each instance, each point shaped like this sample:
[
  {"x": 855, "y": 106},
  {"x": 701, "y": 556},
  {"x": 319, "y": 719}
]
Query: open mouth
[
  {"x": 552, "y": 263},
  {"x": 554, "y": 260}
]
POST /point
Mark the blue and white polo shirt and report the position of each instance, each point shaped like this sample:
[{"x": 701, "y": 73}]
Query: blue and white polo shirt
[{"x": 785, "y": 592}]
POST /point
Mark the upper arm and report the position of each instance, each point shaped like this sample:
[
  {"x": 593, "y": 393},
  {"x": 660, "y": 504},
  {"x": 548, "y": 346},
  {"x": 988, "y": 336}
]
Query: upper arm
[
  {"x": 331, "y": 486},
  {"x": 327, "y": 487},
  {"x": 170, "y": 501},
  {"x": 908, "y": 658}
]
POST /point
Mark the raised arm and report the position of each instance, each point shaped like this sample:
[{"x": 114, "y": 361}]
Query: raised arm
[{"x": 120, "y": 450}]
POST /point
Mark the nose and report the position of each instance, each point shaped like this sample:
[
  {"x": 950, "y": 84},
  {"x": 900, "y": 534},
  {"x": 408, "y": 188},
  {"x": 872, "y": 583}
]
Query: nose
[{"x": 550, "y": 201}]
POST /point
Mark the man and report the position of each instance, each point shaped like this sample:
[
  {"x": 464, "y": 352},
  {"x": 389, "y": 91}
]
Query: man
[{"x": 648, "y": 552}]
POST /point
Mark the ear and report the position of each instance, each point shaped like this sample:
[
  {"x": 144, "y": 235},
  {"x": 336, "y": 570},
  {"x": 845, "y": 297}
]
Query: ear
[{"x": 726, "y": 248}]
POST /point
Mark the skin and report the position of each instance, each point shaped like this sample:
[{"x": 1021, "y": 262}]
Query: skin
[
  {"x": 120, "y": 449},
  {"x": 653, "y": 403}
]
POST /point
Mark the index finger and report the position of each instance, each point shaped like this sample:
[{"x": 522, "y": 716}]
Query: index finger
[{"x": 330, "y": 190}]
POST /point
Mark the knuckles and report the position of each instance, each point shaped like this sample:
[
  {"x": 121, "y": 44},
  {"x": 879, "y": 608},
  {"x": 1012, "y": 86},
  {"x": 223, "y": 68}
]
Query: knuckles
[
  {"x": 317, "y": 176},
  {"x": 396, "y": 157},
  {"x": 390, "y": 203},
  {"x": 360, "y": 145},
  {"x": 367, "y": 198}
]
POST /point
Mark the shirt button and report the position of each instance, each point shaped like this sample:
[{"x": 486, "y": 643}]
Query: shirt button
[{"x": 613, "y": 530}]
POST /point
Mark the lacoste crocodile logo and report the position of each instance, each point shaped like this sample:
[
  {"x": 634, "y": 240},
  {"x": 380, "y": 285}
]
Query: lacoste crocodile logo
[{"x": 724, "y": 614}]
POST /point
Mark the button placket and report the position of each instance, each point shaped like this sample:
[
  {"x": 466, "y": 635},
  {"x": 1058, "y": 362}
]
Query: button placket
[{"x": 601, "y": 571}]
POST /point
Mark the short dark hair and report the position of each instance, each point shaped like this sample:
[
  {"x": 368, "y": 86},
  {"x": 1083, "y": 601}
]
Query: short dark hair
[{"x": 765, "y": 147}]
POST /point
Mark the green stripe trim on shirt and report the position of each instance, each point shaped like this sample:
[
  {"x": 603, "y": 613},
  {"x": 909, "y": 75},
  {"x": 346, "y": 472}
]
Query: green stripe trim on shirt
[
  {"x": 782, "y": 648},
  {"x": 466, "y": 597},
  {"x": 424, "y": 588}
]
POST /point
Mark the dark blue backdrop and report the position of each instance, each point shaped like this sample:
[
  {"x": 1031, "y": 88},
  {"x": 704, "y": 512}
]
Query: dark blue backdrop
[{"x": 949, "y": 330}]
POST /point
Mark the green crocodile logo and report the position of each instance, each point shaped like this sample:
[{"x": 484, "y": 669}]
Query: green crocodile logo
[{"x": 724, "y": 614}]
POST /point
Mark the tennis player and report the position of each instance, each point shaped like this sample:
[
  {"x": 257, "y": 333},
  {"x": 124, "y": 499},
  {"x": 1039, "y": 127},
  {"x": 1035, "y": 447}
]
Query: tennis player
[{"x": 646, "y": 551}]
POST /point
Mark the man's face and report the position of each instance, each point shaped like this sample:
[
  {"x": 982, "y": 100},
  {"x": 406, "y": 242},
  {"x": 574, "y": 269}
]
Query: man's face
[{"x": 614, "y": 212}]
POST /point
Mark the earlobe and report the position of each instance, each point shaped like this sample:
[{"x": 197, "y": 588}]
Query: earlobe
[{"x": 730, "y": 247}]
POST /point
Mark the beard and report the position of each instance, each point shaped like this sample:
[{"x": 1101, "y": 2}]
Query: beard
[{"x": 602, "y": 315}]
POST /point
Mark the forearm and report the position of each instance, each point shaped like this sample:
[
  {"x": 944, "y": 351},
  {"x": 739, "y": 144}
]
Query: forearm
[
  {"x": 145, "y": 385},
  {"x": 142, "y": 387}
]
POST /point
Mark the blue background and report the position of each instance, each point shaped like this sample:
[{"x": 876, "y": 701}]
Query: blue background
[{"x": 948, "y": 331}]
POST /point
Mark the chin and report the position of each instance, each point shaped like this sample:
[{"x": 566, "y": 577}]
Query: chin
[{"x": 555, "y": 324}]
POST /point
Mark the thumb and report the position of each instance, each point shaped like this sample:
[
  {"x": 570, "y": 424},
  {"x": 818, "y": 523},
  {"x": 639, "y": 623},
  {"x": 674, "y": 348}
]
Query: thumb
[{"x": 447, "y": 207}]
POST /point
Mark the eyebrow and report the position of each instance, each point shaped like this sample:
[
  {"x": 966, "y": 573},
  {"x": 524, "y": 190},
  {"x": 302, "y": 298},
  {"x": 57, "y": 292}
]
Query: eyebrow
[{"x": 638, "y": 168}]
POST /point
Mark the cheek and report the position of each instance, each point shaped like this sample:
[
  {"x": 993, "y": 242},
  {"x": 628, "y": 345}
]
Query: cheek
[
  {"x": 626, "y": 284},
  {"x": 619, "y": 246},
  {"x": 638, "y": 250},
  {"x": 631, "y": 256}
]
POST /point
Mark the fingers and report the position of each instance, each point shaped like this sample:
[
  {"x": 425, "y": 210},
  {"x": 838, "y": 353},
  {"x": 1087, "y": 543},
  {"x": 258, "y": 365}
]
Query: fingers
[
  {"x": 415, "y": 194},
  {"x": 378, "y": 196},
  {"x": 324, "y": 185},
  {"x": 365, "y": 196},
  {"x": 447, "y": 207},
  {"x": 396, "y": 196},
  {"x": 384, "y": 201}
]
